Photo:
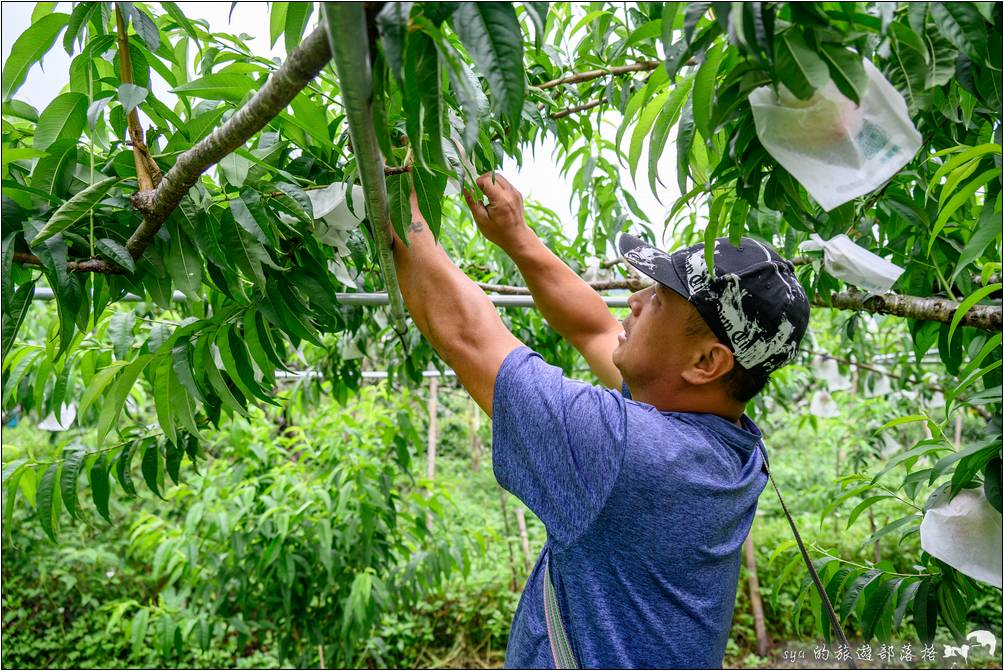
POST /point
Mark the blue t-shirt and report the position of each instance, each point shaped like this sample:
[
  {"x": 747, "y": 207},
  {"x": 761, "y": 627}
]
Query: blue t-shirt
[{"x": 646, "y": 513}]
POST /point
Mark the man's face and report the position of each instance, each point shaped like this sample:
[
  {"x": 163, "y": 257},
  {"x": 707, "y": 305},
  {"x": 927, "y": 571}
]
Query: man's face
[{"x": 656, "y": 341}]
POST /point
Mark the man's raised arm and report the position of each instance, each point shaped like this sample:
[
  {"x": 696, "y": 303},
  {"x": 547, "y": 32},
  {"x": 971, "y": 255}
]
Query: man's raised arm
[{"x": 568, "y": 304}]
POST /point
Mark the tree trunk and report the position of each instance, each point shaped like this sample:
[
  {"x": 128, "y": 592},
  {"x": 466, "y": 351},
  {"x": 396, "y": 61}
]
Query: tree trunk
[
  {"x": 508, "y": 538},
  {"x": 756, "y": 604},
  {"x": 958, "y": 430},
  {"x": 524, "y": 538},
  {"x": 430, "y": 465}
]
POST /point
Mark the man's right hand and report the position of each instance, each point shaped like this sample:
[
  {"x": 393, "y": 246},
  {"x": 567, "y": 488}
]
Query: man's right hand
[{"x": 502, "y": 220}]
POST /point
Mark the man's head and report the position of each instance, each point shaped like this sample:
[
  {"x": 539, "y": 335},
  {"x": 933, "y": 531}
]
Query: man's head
[{"x": 705, "y": 341}]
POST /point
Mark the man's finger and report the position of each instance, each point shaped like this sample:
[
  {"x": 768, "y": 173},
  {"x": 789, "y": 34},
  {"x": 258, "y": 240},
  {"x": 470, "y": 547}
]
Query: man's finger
[
  {"x": 492, "y": 185},
  {"x": 476, "y": 206}
]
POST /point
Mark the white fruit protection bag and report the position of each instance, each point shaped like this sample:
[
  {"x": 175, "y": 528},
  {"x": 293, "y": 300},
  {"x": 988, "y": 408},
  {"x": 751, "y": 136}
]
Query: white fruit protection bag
[{"x": 837, "y": 150}]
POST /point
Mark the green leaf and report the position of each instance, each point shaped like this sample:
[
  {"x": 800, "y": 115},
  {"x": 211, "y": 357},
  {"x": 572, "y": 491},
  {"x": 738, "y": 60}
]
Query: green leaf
[
  {"x": 28, "y": 49},
  {"x": 13, "y": 319},
  {"x": 249, "y": 214},
  {"x": 131, "y": 96},
  {"x": 218, "y": 86},
  {"x": 123, "y": 469},
  {"x": 123, "y": 385},
  {"x": 236, "y": 362},
  {"x": 925, "y": 611},
  {"x": 429, "y": 187},
  {"x": 115, "y": 253},
  {"x": 312, "y": 117},
  {"x": 421, "y": 100},
  {"x": 297, "y": 17},
  {"x": 76, "y": 207},
  {"x": 145, "y": 27},
  {"x": 68, "y": 481},
  {"x": 150, "y": 465},
  {"x": 398, "y": 197},
  {"x": 491, "y": 34},
  {"x": 277, "y": 21},
  {"x": 799, "y": 67},
  {"x": 852, "y": 593},
  {"x": 964, "y": 27},
  {"x": 64, "y": 117},
  {"x": 646, "y": 119},
  {"x": 12, "y": 482},
  {"x": 185, "y": 265},
  {"x": 704, "y": 88},
  {"x": 905, "y": 596},
  {"x": 120, "y": 332},
  {"x": 992, "y": 482},
  {"x": 97, "y": 386},
  {"x": 969, "y": 302},
  {"x": 987, "y": 229},
  {"x": 960, "y": 198},
  {"x": 182, "y": 367},
  {"x": 879, "y": 600},
  {"x": 218, "y": 384},
  {"x": 684, "y": 141},
  {"x": 162, "y": 398},
  {"x": 46, "y": 501},
  {"x": 138, "y": 628},
  {"x": 392, "y": 22},
  {"x": 172, "y": 461},
  {"x": 174, "y": 11},
  {"x": 100, "y": 487},
  {"x": 537, "y": 11},
  {"x": 867, "y": 503},
  {"x": 846, "y": 71}
]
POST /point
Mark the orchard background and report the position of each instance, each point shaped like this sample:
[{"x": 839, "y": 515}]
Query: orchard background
[{"x": 221, "y": 448}]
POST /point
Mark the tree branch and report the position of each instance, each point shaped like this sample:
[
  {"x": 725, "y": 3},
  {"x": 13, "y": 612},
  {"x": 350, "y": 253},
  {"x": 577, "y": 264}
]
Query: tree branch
[
  {"x": 578, "y": 77},
  {"x": 983, "y": 317},
  {"x": 147, "y": 171},
  {"x": 282, "y": 86},
  {"x": 568, "y": 111}
]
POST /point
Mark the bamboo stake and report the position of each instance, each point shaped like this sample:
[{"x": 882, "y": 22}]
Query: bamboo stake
[
  {"x": 508, "y": 538},
  {"x": 756, "y": 604},
  {"x": 346, "y": 23},
  {"x": 433, "y": 438},
  {"x": 524, "y": 538}
]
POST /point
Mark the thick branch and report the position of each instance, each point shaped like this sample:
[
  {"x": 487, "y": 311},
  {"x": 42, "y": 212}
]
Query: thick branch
[
  {"x": 85, "y": 266},
  {"x": 984, "y": 317},
  {"x": 147, "y": 171},
  {"x": 282, "y": 86},
  {"x": 351, "y": 56}
]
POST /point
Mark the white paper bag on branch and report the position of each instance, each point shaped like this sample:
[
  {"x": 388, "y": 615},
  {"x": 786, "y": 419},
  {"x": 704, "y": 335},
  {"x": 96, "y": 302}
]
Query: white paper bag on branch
[
  {"x": 834, "y": 148},
  {"x": 965, "y": 533},
  {"x": 852, "y": 263}
]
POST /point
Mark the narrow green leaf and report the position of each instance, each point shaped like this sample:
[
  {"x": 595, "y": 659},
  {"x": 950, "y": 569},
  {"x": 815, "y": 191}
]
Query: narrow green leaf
[
  {"x": 172, "y": 461},
  {"x": 185, "y": 265},
  {"x": 852, "y": 593},
  {"x": 28, "y": 49},
  {"x": 799, "y": 67},
  {"x": 162, "y": 398},
  {"x": 64, "y": 117},
  {"x": 11, "y": 483},
  {"x": 398, "y": 197},
  {"x": 297, "y": 16},
  {"x": 646, "y": 119},
  {"x": 123, "y": 385},
  {"x": 150, "y": 465},
  {"x": 100, "y": 487},
  {"x": 115, "y": 253},
  {"x": 18, "y": 309},
  {"x": 97, "y": 386},
  {"x": 218, "y": 86},
  {"x": 969, "y": 302},
  {"x": 925, "y": 611},
  {"x": 958, "y": 200},
  {"x": 846, "y": 71},
  {"x": 429, "y": 187},
  {"x": 46, "y": 502},
  {"x": 123, "y": 469},
  {"x": 491, "y": 34},
  {"x": 76, "y": 207},
  {"x": 218, "y": 384},
  {"x": 277, "y": 21},
  {"x": 861, "y": 507},
  {"x": 964, "y": 27},
  {"x": 704, "y": 88},
  {"x": 684, "y": 141},
  {"x": 68, "y": 481},
  {"x": 877, "y": 603}
]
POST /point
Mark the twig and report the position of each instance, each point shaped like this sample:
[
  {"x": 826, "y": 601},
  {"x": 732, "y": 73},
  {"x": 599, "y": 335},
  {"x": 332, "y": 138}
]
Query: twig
[
  {"x": 147, "y": 171},
  {"x": 578, "y": 77},
  {"x": 568, "y": 111},
  {"x": 868, "y": 568}
]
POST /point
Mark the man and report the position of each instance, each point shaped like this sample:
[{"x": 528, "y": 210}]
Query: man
[{"x": 646, "y": 493}]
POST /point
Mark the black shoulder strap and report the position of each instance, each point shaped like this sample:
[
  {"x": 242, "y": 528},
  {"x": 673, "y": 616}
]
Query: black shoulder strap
[{"x": 808, "y": 562}]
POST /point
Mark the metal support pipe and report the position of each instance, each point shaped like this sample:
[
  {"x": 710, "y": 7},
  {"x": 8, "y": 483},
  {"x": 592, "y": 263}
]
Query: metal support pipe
[{"x": 373, "y": 299}]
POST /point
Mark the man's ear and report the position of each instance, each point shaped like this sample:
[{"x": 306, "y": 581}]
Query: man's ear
[{"x": 715, "y": 362}]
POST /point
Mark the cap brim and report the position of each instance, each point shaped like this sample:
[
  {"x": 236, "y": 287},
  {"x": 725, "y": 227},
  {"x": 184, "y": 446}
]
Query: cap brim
[{"x": 652, "y": 262}]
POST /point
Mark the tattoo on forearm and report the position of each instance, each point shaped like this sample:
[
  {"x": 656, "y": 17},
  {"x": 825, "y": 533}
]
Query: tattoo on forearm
[{"x": 415, "y": 227}]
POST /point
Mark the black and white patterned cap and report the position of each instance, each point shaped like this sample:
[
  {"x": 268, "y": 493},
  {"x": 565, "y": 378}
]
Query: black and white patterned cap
[{"x": 753, "y": 302}]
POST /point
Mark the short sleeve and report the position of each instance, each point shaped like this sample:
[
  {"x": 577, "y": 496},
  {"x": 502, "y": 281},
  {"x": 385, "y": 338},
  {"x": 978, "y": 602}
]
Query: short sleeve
[{"x": 557, "y": 443}]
